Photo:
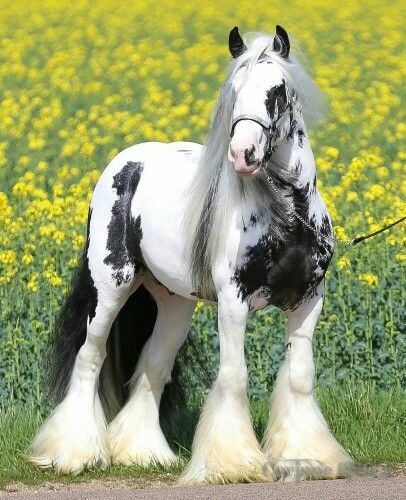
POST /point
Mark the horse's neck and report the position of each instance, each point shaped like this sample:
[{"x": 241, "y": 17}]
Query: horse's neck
[{"x": 296, "y": 155}]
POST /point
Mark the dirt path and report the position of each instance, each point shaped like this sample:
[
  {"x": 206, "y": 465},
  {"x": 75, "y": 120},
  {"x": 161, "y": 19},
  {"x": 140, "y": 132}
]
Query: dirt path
[
  {"x": 376, "y": 482},
  {"x": 391, "y": 488},
  {"x": 363, "y": 488}
]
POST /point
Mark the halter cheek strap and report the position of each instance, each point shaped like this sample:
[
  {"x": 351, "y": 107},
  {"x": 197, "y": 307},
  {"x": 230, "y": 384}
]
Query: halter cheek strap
[{"x": 266, "y": 125}]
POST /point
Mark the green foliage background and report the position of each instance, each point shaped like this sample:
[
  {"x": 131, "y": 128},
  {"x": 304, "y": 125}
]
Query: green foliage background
[{"x": 81, "y": 81}]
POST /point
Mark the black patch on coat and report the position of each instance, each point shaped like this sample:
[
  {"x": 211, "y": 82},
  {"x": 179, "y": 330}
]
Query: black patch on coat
[
  {"x": 276, "y": 101},
  {"x": 286, "y": 271},
  {"x": 300, "y": 136},
  {"x": 325, "y": 229},
  {"x": 292, "y": 127},
  {"x": 253, "y": 219},
  {"x": 314, "y": 186},
  {"x": 125, "y": 233},
  {"x": 298, "y": 166}
]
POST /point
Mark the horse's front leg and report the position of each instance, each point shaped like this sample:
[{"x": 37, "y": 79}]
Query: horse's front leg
[
  {"x": 225, "y": 447},
  {"x": 298, "y": 440}
]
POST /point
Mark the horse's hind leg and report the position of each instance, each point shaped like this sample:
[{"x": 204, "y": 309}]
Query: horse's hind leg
[
  {"x": 298, "y": 441},
  {"x": 135, "y": 435},
  {"x": 74, "y": 437}
]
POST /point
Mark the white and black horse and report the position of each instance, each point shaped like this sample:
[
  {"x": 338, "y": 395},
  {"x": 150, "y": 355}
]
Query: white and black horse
[{"x": 239, "y": 222}]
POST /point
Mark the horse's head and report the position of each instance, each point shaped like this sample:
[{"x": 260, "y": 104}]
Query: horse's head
[{"x": 260, "y": 106}]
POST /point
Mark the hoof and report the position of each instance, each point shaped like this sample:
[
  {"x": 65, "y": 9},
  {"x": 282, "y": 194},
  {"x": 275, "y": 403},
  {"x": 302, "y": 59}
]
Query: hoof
[
  {"x": 144, "y": 458},
  {"x": 249, "y": 468},
  {"x": 299, "y": 470}
]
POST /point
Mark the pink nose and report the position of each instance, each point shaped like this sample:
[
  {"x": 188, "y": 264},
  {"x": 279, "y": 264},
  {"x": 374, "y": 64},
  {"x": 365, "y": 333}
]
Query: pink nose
[{"x": 245, "y": 160}]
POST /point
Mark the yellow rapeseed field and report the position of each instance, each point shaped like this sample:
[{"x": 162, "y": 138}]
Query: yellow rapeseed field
[{"x": 81, "y": 80}]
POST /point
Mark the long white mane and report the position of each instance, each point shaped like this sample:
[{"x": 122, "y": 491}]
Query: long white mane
[{"x": 216, "y": 190}]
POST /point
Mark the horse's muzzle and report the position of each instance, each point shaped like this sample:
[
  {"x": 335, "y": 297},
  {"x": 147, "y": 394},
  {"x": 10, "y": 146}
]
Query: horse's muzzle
[{"x": 246, "y": 162}]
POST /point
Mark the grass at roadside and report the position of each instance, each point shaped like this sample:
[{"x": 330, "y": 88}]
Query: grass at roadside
[{"x": 370, "y": 425}]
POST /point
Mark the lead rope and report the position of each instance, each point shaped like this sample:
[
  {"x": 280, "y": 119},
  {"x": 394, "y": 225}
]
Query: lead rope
[
  {"x": 370, "y": 235},
  {"x": 352, "y": 242}
]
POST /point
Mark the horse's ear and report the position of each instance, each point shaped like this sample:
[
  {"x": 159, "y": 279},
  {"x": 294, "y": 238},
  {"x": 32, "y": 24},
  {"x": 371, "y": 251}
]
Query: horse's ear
[
  {"x": 235, "y": 43},
  {"x": 281, "y": 43}
]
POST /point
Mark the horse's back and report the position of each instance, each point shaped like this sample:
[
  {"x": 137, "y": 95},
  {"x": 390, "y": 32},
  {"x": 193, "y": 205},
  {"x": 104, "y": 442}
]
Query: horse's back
[{"x": 164, "y": 162}]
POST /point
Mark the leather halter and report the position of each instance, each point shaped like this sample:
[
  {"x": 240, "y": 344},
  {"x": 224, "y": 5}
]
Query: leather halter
[{"x": 266, "y": 125}]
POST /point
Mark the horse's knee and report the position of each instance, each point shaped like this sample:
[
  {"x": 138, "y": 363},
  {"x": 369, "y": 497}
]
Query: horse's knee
[
  {"x": 90, "y": 358},
  {"x": 301, "y": 379},
  {"x": 301, "y": 370},
  {"x": 232, "y": 379}
]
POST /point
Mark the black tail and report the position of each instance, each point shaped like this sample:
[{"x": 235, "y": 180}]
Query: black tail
[{"x": 70, "y": 328}]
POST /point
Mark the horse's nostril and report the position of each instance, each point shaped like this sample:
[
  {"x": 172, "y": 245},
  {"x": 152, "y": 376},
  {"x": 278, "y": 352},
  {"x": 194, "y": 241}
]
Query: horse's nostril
[
  {"x": 232, "y": 152},
  {"x": 249, "y": 155}
]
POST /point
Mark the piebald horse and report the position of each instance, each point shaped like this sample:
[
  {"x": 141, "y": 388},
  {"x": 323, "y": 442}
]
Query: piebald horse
[{"x": 239, "y": 222}]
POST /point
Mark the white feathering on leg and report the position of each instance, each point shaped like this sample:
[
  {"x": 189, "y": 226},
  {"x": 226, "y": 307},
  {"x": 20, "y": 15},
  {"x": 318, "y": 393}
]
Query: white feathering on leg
[
  {"x": 298, "y": 441},
  {"x": 74, "y": 437}
]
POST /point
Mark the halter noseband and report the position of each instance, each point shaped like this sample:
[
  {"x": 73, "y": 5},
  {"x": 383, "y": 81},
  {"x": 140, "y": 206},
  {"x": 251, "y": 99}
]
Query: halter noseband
[{"x": 266, "y": 125}]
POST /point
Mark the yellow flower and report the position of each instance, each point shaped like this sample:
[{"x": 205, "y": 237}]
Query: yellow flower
[
  {"x": 331, "y": 152},
  {"x": 78, "y": 242},
  {"x": 340, "y": 233},
  {"x": 42, "y": 166},
  {"x": 47, "y": 230},
  {"x": 199, "y": 305},
  {"x": 24, "y": 160},
  {"x": 343, "y": 262},
  {"x": 323, "y": 165},
  {"x": 375, "y": 192},
  {"x": 59, "y": 237},
  {"x": 32, "y": 283},
  {"x": 352, "y": 196},
  {"x": 58, "y": 189},
  {"x": 56, "y": 280},
  {"x": 74, "y": 262},
  {"x": 8, "y": 257},
  {"x": 87, "y": 149},
  {"x": 27, "y": 259},
  {"x": 382, "y": 172},
  {"x": 369, "y": 279}
]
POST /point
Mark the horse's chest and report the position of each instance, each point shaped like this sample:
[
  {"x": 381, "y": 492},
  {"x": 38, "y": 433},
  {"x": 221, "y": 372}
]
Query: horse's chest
[{"x": 281, "y": 273}]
